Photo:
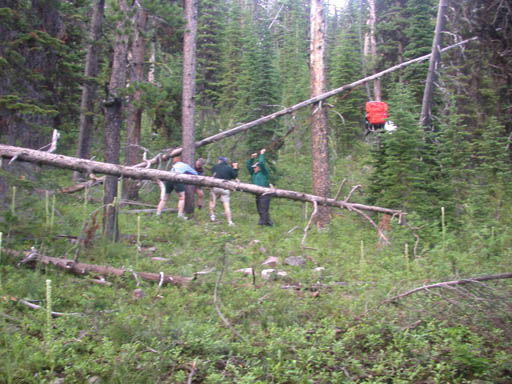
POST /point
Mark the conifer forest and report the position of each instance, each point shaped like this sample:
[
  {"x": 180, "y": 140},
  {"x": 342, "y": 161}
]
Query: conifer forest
[{"x": 355, "y": 227}]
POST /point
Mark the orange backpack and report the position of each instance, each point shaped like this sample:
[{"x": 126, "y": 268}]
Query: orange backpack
[{"x": 377, "y": 112}]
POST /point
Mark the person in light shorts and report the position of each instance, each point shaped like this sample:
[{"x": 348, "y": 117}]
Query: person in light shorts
[{"x": 222, "y": 171}]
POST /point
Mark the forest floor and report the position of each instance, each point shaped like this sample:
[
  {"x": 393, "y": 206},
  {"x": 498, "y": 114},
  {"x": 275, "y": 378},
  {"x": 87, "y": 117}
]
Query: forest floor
[{"x": 263, "y": 305}]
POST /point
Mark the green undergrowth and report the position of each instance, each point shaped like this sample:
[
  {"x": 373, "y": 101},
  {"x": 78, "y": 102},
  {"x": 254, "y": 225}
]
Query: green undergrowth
[{"x": 328, "y": 320}]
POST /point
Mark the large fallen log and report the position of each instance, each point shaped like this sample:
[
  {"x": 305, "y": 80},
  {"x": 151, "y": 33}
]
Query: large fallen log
[
  {"x": 83, "y": 165},
  {"x": 102, "y": 270}
]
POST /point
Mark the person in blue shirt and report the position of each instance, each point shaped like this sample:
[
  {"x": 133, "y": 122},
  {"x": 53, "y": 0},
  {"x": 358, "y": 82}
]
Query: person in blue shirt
[
  {"x": 178, "y": 167},
  {"x": 259, "y": 176}
]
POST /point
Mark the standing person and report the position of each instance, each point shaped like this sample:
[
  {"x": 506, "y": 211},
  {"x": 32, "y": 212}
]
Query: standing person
[
  {"x": 199, "y": 190},
  {"x": 178, "y": 167},
  {"x": 259, "y": 176},
  {"x": 222, "y": 171}
]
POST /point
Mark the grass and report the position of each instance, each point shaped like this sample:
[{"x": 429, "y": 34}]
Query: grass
[{"x": 324, "y": 322}]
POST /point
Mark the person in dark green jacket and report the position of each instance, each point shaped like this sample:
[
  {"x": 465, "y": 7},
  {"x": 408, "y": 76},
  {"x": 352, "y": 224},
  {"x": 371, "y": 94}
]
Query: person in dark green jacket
[{"x": 259, "y": 176}]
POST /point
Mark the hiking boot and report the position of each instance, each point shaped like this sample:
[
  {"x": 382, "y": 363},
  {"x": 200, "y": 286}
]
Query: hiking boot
[{"x": 231, "y": 224}]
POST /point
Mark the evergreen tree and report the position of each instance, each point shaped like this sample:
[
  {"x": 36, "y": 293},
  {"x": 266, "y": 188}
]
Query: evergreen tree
[
  {"x": 231, "y": 60},
  {"x": 161, "y": 99},
  {"x": 420, "y": 16},
  {"x": 40, "y": 70},
  {"x": 345, "y": 67},
  {"x": 209, "y": 51},
  {"x": 401, "y": 177},
  {"x": 263, "y": 89},
  {"x": 405, "y": 30},
  {"x": 292, "y": 53}
]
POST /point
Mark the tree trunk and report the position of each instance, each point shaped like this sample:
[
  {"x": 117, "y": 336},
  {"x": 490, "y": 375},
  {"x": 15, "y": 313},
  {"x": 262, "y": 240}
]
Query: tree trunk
[
  {"x": 189, "y": 89},
  {"x": 318, "y": 86},
  {"x": 113, "y": 123},
  {"x": 67, "y": 162},
  {"x": 89, "y": 87},
  {"x": 435, "y": 60},
  {"x": 362, "y": 47},
  {"x": 152, "y": 61},
  {"x": 134, "y": 114},
  {"x": 370, "y": 51}
]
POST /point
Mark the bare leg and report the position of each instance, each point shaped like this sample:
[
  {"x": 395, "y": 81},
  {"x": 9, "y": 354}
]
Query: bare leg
[
  {"x": 200, "y": 194},
  {"x": 227, "y": 210},
  {"x": 161, "y": 204},
  {"x": 181, "y": 203},
  {"x": 212, "y": 205}
]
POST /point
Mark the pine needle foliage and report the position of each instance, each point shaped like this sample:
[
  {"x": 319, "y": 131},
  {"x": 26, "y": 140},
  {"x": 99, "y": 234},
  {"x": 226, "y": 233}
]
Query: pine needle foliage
[{"x": 401, "y": 177}]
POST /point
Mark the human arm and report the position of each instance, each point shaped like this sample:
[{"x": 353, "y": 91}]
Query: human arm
[
  {"x": 234, "y": 171},
  {"x": 261, "y": 161},
  {"x": 190, "y": 171},
  {"x": 250, "y": 163}
]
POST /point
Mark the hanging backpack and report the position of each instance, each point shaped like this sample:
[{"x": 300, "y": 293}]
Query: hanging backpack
[{"x": 377, "y": 112}]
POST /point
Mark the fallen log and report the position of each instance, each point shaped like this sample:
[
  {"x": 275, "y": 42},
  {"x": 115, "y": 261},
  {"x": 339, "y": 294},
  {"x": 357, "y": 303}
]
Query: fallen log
[
  {"x": 452, "y": 283},
  {"x": 83, "y": 165},
  {"x": 102, "y": 270},
  {"x": 81, "y": 186}
]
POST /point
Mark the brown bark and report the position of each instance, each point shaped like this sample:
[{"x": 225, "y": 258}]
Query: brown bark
[
  {"x": 67, "y": 162},
  {"x": 134, "y": 114},
  {"x": 89, "y": 86},
  {"x": 319, "y": 128},
  {"x": 435, "y": 60},
  {"x": 114, "y": 121},
  {"x": 188, "y": 95}
]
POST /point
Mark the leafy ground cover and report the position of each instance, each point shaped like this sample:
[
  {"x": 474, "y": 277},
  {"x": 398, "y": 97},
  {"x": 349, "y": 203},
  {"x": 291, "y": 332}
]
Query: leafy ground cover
[{"x": 326, "y": 321}]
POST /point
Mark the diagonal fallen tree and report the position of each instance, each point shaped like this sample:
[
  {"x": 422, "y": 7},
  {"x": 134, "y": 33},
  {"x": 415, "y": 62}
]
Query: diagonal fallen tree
[
  {"x": 166, "y": 154},
  {"x": 90, "y": 166},
  {"x": 243, "y": 127}
]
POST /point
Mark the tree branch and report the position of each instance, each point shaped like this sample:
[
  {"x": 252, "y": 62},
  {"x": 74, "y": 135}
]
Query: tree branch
[{"x": 448, "y": 284}]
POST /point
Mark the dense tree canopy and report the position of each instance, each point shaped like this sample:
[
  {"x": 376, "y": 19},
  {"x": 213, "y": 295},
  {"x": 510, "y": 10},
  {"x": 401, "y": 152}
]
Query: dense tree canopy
[{"x": 253, "y": 59}]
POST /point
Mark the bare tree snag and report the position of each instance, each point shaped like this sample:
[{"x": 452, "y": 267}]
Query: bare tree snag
[
  {"x": 114, "y": 121},
  {"x": 188, "y": 95},
  {"x": 134, "y": 111},
  {"x": 89, "y": 87},
  {"x": 370, "y": 47},
  {"x": 435, "y": 60},
  {"x": 319, "y": 123},
  {"x": 67, "y": 162}
]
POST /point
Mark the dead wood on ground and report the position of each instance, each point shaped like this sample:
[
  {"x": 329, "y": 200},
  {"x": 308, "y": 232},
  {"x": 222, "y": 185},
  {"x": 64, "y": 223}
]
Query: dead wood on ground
[
  {"x": 101, "y": 270},
  {"x": 448, "y": 284}
]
